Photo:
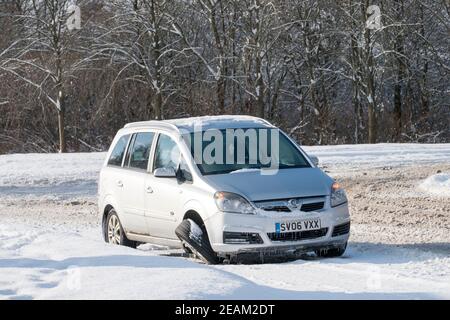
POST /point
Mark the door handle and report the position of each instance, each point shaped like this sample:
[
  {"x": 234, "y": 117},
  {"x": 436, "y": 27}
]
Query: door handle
[
  {"x": 119, "y": 184},
  {"x": 149, "y": 189}
]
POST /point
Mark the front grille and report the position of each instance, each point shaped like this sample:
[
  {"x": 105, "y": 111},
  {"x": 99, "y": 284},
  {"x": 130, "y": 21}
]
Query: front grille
[
  {"x": 298, "y": 235},
  {"x": 341, "y": 229},
  {"x": 277, "y": 208},
  {"x": 283, "y": 205},
  {"x": 307, "y": 207}
]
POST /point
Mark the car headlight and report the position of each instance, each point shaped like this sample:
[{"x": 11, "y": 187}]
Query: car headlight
[
  {"x": 232, "y": 202},
  {"x": 338, "y": 195}
]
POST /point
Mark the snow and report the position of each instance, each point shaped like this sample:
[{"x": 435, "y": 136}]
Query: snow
[
  {"x": 34, "y": 169},
  {"x": 44, "y": 264},
  {"x": 217, "y": 122},
  {"x": 438, "y": 184},
  {"x": 246, "y": 170},
  {"x": 42, "y": 259},
  {"x": 39, "y": 263},
  {"x": 195, "y": 231},
  {"x": 51, "y": 175},
  {"x": 380, "y": 155},
  {"x": 195, "y": 124}
]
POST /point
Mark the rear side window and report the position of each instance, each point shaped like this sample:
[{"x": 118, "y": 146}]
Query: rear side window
[
  {"x": 140, "y": 151},
  {"x": 119, "y": 149}
]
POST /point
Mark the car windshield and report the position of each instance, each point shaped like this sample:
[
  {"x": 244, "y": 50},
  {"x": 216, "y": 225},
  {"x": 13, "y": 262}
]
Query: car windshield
[{"x": 230, "y": 150}]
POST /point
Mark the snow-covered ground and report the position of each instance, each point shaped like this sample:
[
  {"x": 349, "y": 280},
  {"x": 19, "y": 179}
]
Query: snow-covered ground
[
  {"x": 44, "y": 263},
  {"x": 50, "y": 243},
  {"x": 384, "y": 155},
  {"x": 50, "y": 175}
]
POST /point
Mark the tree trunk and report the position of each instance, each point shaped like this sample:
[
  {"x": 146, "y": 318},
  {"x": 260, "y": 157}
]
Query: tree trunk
[
  {"x": 220, "y": 46},
  {"x": 61, "y": 130},
  {"x": 259, "y": 88},
  {"x": 158, "y": 106},
  {"x": 61, "y": 103},
  {"x": 370, "y": 80},
  {"x": 371, "y": 102},
  {"x": 398, "y": 111},
  {"x": 356, "y": 78},
  {"x": 424, "y": 125},
  {"x": 372, "y": 124},
  {"x": 372, "y": 119},
  {"x": 398, "y": 104},
  {"x": 157, "y": 62},
  {"x": 221, "y": 94},
  {"x": 398, "y": 125}
]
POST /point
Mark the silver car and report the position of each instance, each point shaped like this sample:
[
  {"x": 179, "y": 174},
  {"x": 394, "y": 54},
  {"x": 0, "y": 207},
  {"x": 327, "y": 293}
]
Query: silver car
[{"x": 225, "y": 188}]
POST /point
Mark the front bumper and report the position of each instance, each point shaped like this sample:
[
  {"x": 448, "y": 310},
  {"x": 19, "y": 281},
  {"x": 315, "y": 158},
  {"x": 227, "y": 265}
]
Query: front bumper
[{"x": 264, "y": 224}]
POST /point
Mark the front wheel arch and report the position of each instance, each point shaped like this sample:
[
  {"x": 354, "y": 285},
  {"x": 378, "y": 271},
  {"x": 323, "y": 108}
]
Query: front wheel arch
[{"x": 195, "y": 216}]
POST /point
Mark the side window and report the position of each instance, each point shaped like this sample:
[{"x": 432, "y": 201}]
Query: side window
[
  {"x": 167, "y": 154},
  {"x": 140, "y": 151},
  {"x": 119, "y": 149}
]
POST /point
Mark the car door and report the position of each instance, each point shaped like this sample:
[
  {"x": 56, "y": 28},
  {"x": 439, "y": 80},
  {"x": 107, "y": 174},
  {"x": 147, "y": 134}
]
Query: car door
[
  {"x": 162, "y": 200},
  {"x": 132, "y": 182},
  {"x": 112, "y": 176}
]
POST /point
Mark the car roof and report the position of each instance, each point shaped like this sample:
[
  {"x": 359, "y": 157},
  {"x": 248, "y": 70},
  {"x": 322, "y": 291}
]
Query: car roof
[{"x": 194, "y": 124}]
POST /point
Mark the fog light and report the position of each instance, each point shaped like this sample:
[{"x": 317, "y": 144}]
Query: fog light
[{"x": 241, "y": 238}]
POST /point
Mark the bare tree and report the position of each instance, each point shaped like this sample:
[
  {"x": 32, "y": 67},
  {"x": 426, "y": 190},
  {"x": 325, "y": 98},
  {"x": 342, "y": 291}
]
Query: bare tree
[
  {"x": 139, "y": 38},
  {"x": 316, "y": 68},
  {"x": 46, "y": 51}
]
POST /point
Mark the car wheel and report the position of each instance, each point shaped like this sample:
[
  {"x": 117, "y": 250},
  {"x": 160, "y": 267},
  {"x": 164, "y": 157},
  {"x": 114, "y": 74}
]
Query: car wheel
[
  {"x": 114, "y": 233},
  {"x": 196, "y": 240},
  {"x": 331, "y": 253}
]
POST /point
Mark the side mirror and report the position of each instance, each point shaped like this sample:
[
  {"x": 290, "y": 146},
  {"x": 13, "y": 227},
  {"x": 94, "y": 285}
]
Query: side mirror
[
  {"x": 314, "y": 159},
  {"x": 165, "y": 173}
]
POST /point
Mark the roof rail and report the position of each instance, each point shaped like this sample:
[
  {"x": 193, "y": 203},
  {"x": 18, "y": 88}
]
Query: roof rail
[
  {"x": 152, "y": 123},
  {"x": 265, "y": 121}
]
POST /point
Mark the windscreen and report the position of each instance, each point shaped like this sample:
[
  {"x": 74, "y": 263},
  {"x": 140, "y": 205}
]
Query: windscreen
[{"x": 229, "y": 150}]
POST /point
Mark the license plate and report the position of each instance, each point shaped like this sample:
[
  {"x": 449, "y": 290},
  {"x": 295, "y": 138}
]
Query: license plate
[{"x": 294, "y": 226}]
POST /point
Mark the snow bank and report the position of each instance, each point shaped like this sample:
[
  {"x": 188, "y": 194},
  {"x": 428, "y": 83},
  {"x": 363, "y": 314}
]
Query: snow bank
[
  {"x": 51, "y": 176},
  {"x": 45, "y": 169},
  {"x": 380, "y": 155},
  {"x": 438, "y": 184}
]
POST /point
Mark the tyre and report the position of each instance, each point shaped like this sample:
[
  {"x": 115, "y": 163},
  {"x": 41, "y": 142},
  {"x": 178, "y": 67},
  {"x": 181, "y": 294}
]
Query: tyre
[
  {"x": 114, "y": 233},
  {"x": 331, "y": 253},
  {"x": 196, "y": 240}
]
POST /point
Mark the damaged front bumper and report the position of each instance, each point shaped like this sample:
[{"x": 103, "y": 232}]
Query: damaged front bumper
[
  {"x": 259, "y": 237},
  {"x": 283, "y": 252}
]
